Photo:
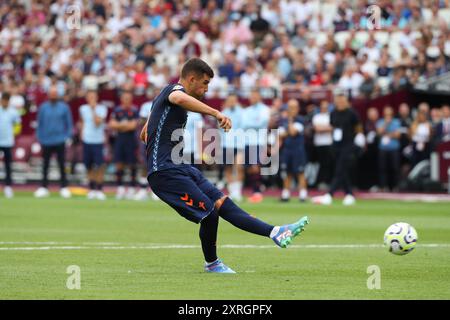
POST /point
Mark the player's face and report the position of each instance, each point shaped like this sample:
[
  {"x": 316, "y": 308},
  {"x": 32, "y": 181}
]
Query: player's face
[{"x": 199, "y": 85}]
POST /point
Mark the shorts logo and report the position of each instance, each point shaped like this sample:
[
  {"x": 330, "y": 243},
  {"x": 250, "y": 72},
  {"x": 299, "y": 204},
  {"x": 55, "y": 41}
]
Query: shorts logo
[
  {"x": 186, "y": 200},
  {"x": 190, "y": 202}
]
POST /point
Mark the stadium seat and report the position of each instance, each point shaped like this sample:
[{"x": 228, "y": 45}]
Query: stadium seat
[
  {"x": 362, "y": 36},
  {"x": 321, "y": 38},
  {"x": 427, "y": 14},
  {"x": 328, "y": 11},
  {"x": 445, "y": 14},
  {"x": 383, "y": 83},
  {"x": 382, "y": 37},
  {"x": 340, "y": 38}
]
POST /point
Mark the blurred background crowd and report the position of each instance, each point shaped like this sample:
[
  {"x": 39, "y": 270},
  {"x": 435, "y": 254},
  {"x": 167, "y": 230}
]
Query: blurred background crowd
[{"x": 138, "y": 46}]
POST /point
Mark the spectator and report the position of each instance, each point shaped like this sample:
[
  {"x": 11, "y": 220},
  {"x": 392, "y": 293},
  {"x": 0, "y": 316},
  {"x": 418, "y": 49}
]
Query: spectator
[
  {"x": 9, "y": 117},
  {"x": 388, "y": 130},
  {"x": 346, "y": 125},
  {"x": 124, "y": 121},
  {"x": 144, "y": 114},
  {"x": 369, "y": 160},
  {"x": 54, "y": 129},
  {"x": 255, "y": 118},
  {"x": 420, "y": 133},
  {"x": 233, "y": 148},
  {"x": 323, "y": 141},
  {"x": 443, "y": 129},
  {"x": 92, "y": 120},
  {"x": 293, "y": 153}
]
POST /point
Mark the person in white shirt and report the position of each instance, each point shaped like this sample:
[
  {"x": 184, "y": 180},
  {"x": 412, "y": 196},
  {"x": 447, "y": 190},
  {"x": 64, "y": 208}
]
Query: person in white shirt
[
  {"x": 255, "y": 118},
  {"x": 144, "y": 114},
  {"x": 192, "y": 150},
  {"x": 233, "y": 148},
  {"x": 420, "y": 132},
  {"x": 92, "y": 121},
  {"x": 323, "y": 142},
  {"x": 351, "y": 81},
  {"x": 9, "y": 117}
]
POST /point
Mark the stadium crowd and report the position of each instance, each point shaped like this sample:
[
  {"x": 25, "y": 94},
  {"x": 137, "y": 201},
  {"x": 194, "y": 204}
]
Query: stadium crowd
[{"x": 74, "y": 47}]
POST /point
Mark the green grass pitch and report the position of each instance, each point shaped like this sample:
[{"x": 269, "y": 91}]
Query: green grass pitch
[{"x": 144, "y": 250}]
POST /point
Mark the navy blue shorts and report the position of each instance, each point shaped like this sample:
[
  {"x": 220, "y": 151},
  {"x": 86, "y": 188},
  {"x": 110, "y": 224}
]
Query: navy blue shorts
[
  {"x": 186, "y": 190},
  {"x": 125, "y": 152},
  {"x": 293, "y": 162},
  {"x": 92, "y": 155},
  {"x": 254, "y": 154}
]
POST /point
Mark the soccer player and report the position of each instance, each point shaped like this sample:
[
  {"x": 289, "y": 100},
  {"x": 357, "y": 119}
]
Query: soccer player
[
  {"x": 255, "y": 117},
  {"x": 124, "y": 120},
  {"x": 9, "y": 117},
  {"x": 293, "y": 153},
  {"x": 92, "y": 120},
  {"x": 233, "y": 148},
  {"x": 182, "y": 186},
  {"x": 54, "y": 128}
]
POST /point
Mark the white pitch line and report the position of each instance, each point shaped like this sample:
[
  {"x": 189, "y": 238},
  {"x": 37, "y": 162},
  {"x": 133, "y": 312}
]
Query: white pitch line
[{"x": 229, "y": 246}]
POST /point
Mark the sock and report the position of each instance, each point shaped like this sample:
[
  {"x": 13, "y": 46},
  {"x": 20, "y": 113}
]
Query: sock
[
  {"x": 208, "y": 236},
  {"x": 241, "y": 219},
  {"x": 99, "y": 186},
  {"x": 92, "y": 185},
  {"x": 303, "y": 194}
]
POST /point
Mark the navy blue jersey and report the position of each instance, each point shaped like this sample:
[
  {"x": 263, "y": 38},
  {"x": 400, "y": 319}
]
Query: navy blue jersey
[
  {"x": 164, "y": 119},
  {"x": 120, "y": 114},
  {"x": 297, "y": 142}
]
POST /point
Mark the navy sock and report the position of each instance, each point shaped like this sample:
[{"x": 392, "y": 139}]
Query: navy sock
[
  {"x": 92, "y": 185},
  {"x": 241, "y": 219},
  {"x": 208, "y": 236}
]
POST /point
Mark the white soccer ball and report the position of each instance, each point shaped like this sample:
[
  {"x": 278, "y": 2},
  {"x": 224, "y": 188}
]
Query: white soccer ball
[{"x": 400, "y": 238}]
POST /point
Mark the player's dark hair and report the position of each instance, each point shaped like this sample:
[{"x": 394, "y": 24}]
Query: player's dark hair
[{"x": 196, "y": 66}]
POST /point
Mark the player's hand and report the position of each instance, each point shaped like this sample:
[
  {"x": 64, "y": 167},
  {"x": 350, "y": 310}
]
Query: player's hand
[{"x": 224, "y": 122}]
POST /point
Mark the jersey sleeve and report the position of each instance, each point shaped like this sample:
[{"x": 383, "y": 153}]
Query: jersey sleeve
[{"x": 176, "y": 87}]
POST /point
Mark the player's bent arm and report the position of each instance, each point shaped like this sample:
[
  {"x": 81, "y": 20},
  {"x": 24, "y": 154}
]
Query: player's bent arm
[{"x": 191, "y": 104}]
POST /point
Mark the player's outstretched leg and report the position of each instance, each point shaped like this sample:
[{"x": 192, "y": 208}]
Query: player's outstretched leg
[{"x": 281, "y": 235}]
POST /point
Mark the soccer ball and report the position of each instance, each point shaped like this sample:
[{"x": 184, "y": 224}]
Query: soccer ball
[{"x": 400, "y": 238}]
